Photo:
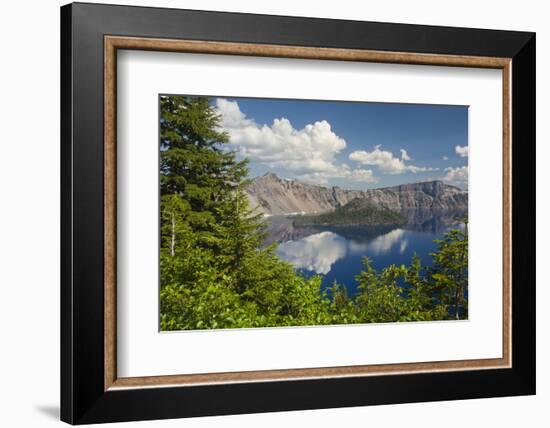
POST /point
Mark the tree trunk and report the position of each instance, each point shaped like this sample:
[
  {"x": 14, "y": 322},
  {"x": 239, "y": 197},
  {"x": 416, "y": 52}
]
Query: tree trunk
[
  {"x": 173, "y": 239},
  {"x": 456, "y": 303}
]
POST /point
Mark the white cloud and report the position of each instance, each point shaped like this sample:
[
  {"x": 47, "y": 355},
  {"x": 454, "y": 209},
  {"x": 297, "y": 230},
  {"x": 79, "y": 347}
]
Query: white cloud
[
  {"x": 360, "y": 175},
  {"x": 231, "y": 115},
  {"x": 462, "y": 151},
  {"x": 386, "y": 161},
  {"x": 445, "y": 158},
  {"x": 340, "y": 171},
  {"x": 458, "y": 175},
  {"x": 309, "y": 152}
]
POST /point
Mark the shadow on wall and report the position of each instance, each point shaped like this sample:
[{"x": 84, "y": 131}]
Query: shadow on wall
[{"x": 50, "y": 411}]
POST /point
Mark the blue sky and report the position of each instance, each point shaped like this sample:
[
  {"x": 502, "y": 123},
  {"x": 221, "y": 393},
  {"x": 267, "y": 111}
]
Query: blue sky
[{"x": 349, "y": 144}]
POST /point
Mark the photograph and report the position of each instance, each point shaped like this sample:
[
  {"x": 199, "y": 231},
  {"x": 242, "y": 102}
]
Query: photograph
[{"x": 287, "y": 212}]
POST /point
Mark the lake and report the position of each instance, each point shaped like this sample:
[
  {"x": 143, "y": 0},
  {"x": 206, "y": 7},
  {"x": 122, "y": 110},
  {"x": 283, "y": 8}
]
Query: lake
[{"x": 337, "y": 252}]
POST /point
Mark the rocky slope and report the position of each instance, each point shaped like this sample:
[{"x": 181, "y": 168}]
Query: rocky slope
[{"x": 277, "y": 196}]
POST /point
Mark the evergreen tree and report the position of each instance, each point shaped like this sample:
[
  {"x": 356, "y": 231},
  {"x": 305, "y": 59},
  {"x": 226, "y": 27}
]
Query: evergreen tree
[
  {"x": 450, "y": 271},
  {"x": 194, "y": 164},
  {"x": 381, "y": 297},
  {"x": 397, "y": 293},
  {"x": 241, "y": 232}
]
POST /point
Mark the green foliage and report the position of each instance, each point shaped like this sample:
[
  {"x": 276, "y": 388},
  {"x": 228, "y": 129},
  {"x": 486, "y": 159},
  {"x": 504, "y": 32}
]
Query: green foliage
[
  {"x": 215, "y": 273},
  {"x": 450, "y": 271},
  {"x": 397, "y": 293}
]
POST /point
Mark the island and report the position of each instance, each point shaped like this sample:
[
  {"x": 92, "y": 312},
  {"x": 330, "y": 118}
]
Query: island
[{"x": 358, "y": 211}]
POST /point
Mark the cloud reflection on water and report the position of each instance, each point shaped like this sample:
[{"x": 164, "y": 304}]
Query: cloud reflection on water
[
  {"x": 315, "y": 253},
  {"x": 384, "y": 243},
  {"x": 318, "y": 252}
]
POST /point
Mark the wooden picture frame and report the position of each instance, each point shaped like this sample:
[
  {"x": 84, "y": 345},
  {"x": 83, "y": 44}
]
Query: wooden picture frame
[{"x": 91, "y": 390}]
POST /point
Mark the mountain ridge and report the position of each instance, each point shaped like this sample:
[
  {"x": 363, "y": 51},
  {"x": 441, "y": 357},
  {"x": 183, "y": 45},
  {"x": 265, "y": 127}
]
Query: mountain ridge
[{"x": 274, "y": 195}]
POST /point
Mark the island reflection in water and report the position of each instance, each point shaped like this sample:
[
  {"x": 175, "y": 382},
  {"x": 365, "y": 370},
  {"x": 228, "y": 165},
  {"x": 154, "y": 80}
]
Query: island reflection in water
[{"x": 337, "y": 252}]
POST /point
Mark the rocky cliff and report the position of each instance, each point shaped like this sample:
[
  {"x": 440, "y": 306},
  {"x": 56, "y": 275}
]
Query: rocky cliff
[{"x": 278, "y": 196}]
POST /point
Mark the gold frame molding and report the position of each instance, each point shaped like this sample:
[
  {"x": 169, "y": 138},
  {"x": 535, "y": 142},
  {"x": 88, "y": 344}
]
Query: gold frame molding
[{"x": 113, "y": 43}]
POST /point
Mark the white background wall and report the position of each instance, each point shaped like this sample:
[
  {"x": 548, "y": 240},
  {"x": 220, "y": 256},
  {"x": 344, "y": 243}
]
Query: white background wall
[{"x": 29, "y": 214}]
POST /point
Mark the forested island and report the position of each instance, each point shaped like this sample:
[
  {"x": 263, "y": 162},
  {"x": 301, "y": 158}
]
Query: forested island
[
  {"x": 216, "y": 272},
  {"x": 358, "y": 211}
]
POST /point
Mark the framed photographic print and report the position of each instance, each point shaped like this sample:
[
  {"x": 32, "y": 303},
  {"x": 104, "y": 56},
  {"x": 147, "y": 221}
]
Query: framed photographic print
[{"x": 265, "y": 213}]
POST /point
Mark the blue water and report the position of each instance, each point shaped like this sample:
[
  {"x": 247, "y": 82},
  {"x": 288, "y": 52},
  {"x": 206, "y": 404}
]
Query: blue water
[{"x": 337, "y": 252}]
